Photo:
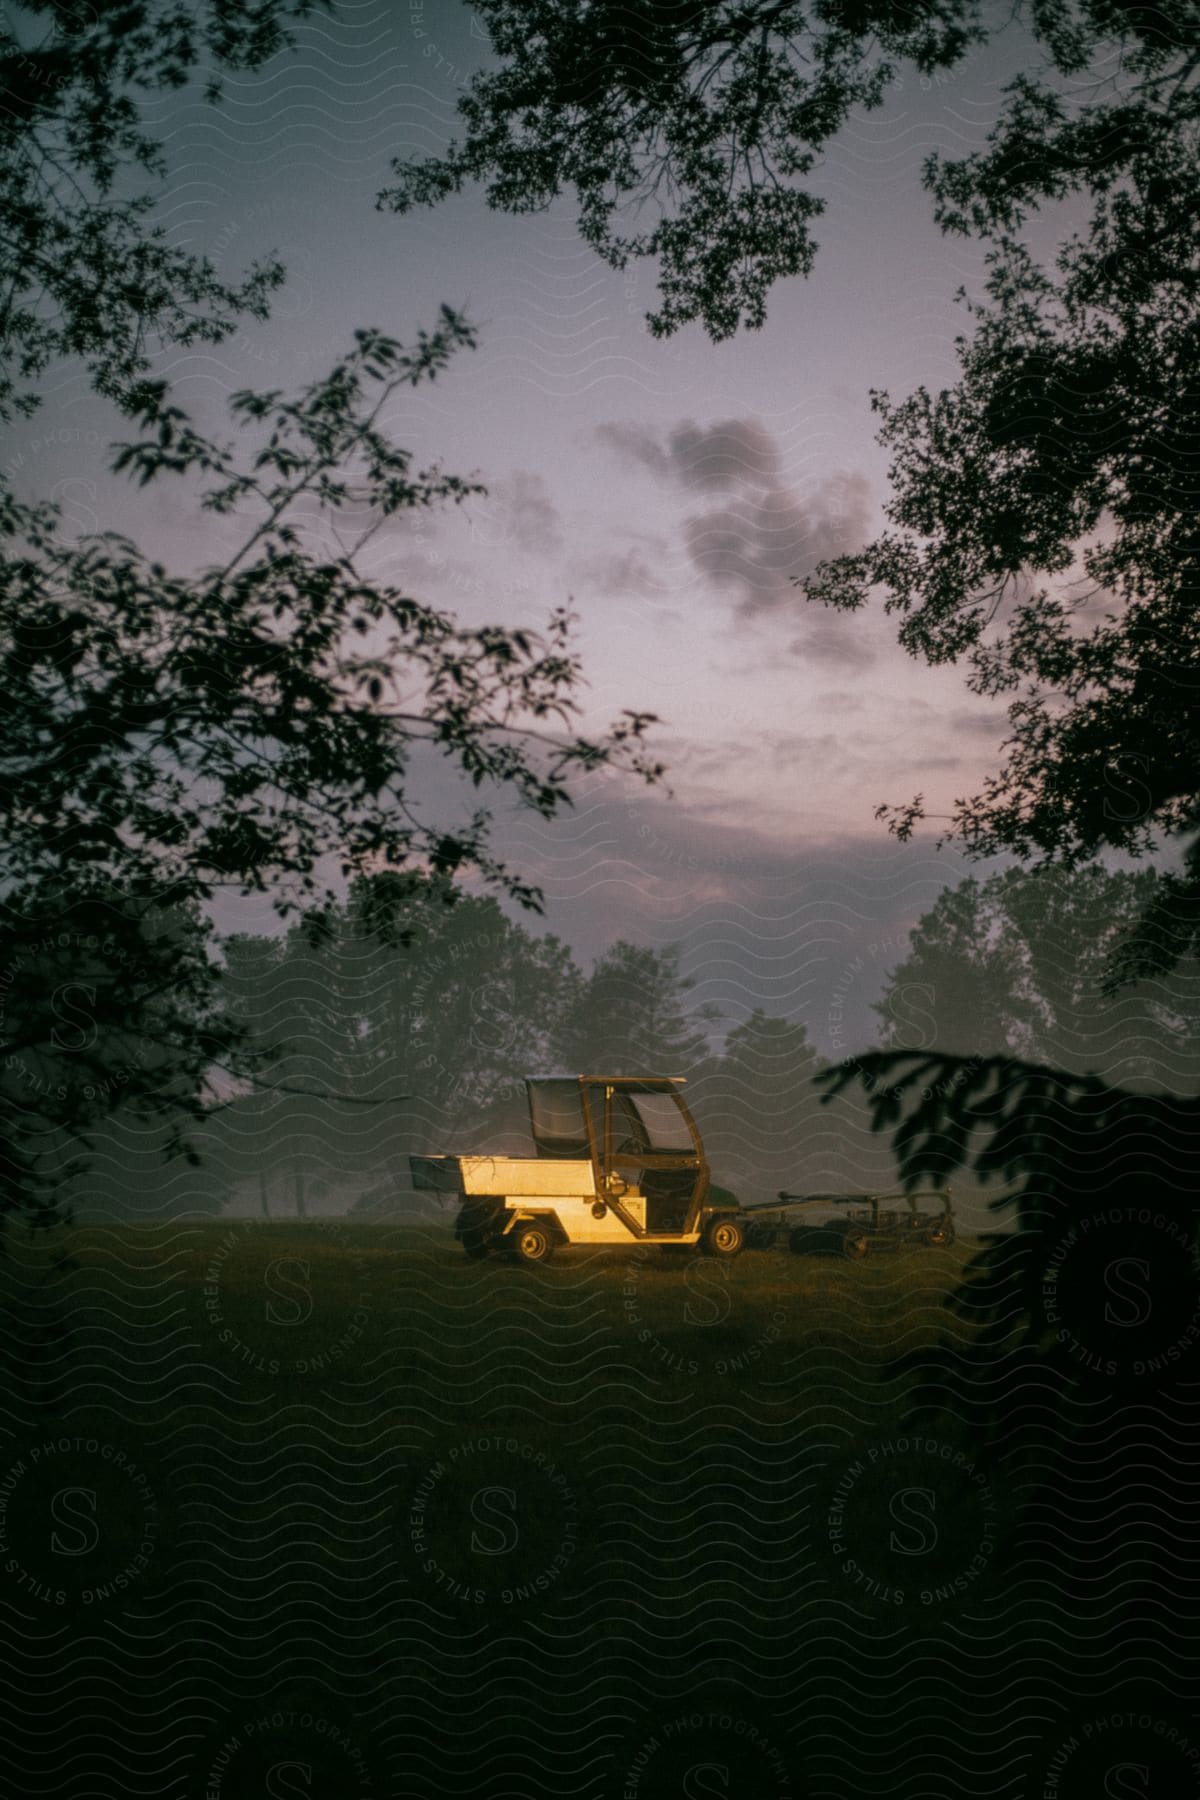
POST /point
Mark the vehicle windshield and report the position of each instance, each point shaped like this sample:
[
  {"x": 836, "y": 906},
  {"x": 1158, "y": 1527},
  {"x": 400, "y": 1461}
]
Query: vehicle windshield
[{"x": 665, "y": 1126}]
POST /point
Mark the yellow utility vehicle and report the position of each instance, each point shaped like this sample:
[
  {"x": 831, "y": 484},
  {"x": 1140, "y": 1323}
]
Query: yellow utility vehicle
[{"x": 619, "y": 1161}]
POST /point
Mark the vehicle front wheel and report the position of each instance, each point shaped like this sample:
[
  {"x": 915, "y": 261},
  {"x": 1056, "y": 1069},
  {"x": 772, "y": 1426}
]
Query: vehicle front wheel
[
  {"x": 855, "y": 1245},
  {"x": 531, "y": 1244},
  {"x": 941, "y": 1234},
  {"x": 723, "y": 1237}
]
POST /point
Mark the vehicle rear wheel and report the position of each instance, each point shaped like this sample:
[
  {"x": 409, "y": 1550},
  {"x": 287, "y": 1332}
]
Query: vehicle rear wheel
[
  {"x": 531, "y": 1243},
  {"x": 475, "y": 1245},
  {"x": 941, "y": 1234},
  {"x": 723, "y": 1237},
  {"x": 855, "y": 1245}
]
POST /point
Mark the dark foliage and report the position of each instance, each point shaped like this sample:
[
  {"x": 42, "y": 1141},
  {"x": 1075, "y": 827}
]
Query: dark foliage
[
  {"x": 261, "y": 726},
  {"x": 702, "y": 119},
  {"x": 168, "y": 736},
  {"x": 84, "y": 269},
  {"x": 1043, "y": 511},
  {"x": 1106, "y": 1185}
]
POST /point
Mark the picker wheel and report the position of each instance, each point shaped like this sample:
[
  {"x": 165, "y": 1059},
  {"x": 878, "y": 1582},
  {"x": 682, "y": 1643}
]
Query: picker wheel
[
  {"x": 531, "y": 1243},
  {"x": 941, "y": 1234},
  {"x": 723, "y": 1237},
  {"x": 855, "y": 1245}
]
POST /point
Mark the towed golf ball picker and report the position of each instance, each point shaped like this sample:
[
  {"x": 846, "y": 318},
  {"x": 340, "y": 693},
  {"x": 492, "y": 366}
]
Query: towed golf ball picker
[
  {"x": 620, "y": 1161},
  {"x": 873, "y": 1222}
]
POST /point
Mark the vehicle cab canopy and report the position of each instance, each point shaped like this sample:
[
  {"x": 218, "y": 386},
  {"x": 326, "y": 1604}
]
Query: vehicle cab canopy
[
  {"x": 635, "y": 1130},
  {"x": 580, "y": 1115}
]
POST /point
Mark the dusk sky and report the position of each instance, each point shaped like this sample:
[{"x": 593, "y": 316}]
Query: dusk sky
[{"x": 671, "y": 490}]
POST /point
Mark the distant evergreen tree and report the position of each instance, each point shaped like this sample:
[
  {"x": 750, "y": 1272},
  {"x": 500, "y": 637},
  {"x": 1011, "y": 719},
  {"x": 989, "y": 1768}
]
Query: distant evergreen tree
[
  {"x": 759, "y": 1111},
  {"x": 1019, "y": 965},
  {"x": 960, "y": 985},
  {"x": 634, "y": 1015}
]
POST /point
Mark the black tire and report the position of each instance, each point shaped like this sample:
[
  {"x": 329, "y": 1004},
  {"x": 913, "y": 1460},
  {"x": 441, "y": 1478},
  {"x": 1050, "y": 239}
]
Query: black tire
[
  {"x": 475, "y": 1245},
  {"x": 724, "y": 1236},
  {"x": 941, "y": 1235},
  {"x": 855, "y": 1245},
  {"x": 531, "y": 1242}
]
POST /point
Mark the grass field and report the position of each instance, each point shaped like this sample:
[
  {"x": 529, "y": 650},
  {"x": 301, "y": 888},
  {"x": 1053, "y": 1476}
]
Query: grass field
[{"x": 327, "y": 1497}]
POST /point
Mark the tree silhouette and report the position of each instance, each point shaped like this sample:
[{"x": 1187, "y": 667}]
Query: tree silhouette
[
  {"x": 1043, "y": 511},
  {"x": 697, "y": 121},
  {"x": 759, "y": 1108},
  {"x": 634, "y": 1016},
  {"x": 106, "y": 1007},
  {"x": 452, "y": 1019},
  {"x": 1107, "y": 1173},
  {"x": 167, "y": 735},
  {"x": 958, "y": 988},
  {"x": 86, "y": 271},
  {"x": 390, "y": 1031},
  {"x": 1021, "y": 964},
  {"x": 1082, "y": 1327},
  {"x": 285, "y": 996},
  {"x": 1006, "y": 1057}
]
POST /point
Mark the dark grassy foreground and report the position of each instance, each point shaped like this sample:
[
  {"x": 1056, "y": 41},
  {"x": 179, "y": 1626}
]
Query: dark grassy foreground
[{"x": 322, "y": 1508}]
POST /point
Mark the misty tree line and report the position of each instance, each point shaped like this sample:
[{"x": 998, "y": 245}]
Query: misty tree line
[{"x": 370, "y": 1042}]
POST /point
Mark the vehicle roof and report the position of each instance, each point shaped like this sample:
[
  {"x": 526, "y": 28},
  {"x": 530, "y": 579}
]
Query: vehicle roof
[{"x": 649, "y": 1082}]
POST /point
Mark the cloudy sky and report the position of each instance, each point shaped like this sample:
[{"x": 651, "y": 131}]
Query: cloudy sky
[{"x": 671, "y": 490}]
